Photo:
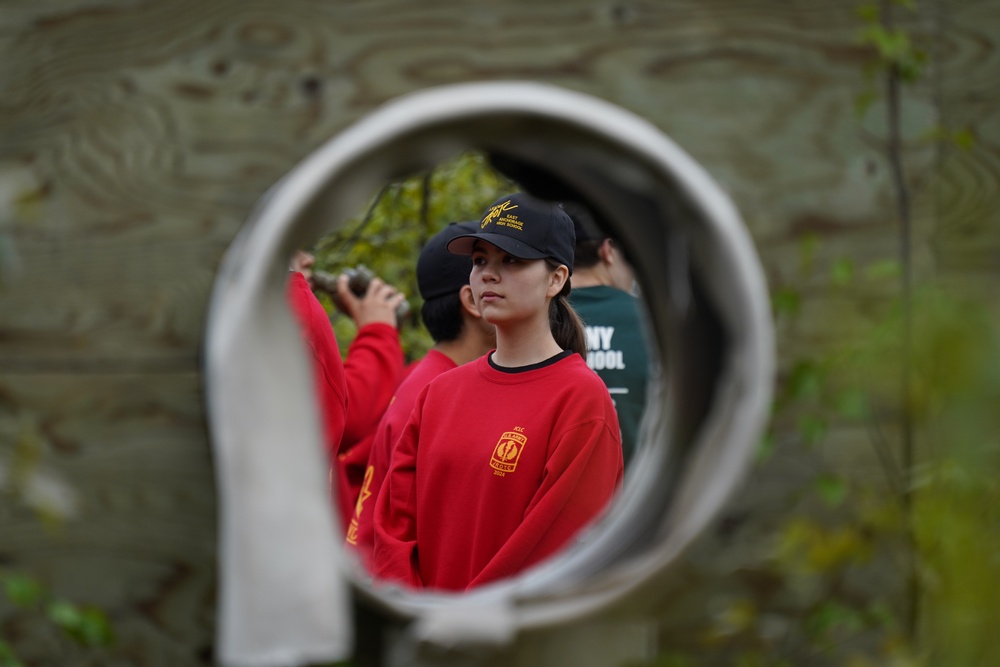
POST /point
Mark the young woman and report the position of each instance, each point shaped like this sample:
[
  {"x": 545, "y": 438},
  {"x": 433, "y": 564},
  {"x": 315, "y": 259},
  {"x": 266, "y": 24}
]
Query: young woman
[{"x": 504, "y": 460}]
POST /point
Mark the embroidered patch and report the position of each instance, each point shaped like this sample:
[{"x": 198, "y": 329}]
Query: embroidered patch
[{"x": 507, "y": 452}]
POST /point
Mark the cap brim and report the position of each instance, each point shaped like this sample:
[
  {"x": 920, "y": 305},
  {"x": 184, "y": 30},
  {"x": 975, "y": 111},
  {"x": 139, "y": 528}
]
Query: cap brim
[{"x": 462, "y": 245}]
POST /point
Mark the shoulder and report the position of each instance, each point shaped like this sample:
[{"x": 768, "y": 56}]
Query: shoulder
[
  {"x": 451, "y": 379},
  {"x": 579, "y": 379},
  {"x": 575, "y": 367}
]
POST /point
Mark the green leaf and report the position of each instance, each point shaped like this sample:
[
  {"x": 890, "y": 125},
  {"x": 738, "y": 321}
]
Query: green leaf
[
  {"x": 842, "y": 272},
  {"x": 934, "y": 133},
  {"x": 863, "y": 101},
  {"x": 87, "y": 626},
  {"x": 834, "y": 615},
  {"x": 786, "y": 301},
  {"x": 812, "y": 429},
  {"x": 22, "y": 591},
  {"x": 873, "y": 35},
  {"x": 808, "y": 245},
  {"x": 94, "y": 628},
  {"x": 895, "y": 48},
  {"x": 881, "y": 615},
  {"x": 853, "y": 404},
  {"x": 963, "y": 139},
  {"x": 765, "y": 448},
  {"x": 805, "y": 380},
  {"x": 868, "y": 12},
  {"x": 882, "y": 269},
  {"x": 831, "y": 489},
  {"x": 7, "y": 656},
  {"x": 63, "y": 614},
  {"x": 910, "y": 70}
]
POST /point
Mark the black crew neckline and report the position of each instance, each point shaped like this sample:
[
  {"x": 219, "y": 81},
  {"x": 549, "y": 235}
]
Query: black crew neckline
[{"x": 530, "y": 367}]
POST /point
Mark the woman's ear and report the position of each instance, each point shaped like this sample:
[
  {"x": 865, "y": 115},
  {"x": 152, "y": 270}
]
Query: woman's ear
[
  {"x": 557, "y": 279},
  {"x": 468, "y": 301},
  {"x": 606, "y": 251}
]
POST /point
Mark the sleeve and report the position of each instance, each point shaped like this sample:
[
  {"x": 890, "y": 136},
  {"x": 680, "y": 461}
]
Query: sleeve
[
  {"x": 373, "y": 368},
  {"x": 331, "y": 387},
  {"x": 395, "y": 556},
  {"x": 582, "y": 474}
]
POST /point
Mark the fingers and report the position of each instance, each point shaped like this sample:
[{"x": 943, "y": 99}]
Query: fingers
[
  {"x": 347, "y": 297},
  {"x": 379, "y": 304},
  {"x": 379, "y": 290},
  {"x": 303, "y": 262}
]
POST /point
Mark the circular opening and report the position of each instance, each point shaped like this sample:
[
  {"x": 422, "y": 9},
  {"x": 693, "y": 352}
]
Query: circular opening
[{"x": 701, "y": 283}]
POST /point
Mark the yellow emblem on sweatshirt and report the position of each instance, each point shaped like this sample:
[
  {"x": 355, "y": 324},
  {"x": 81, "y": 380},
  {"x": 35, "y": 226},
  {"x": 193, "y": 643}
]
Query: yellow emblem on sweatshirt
[{"x": 507, "y": 452}]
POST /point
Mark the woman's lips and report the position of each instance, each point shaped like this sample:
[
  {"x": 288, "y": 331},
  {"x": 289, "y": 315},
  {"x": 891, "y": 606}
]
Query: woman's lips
[{"x": 489, "y": 297}]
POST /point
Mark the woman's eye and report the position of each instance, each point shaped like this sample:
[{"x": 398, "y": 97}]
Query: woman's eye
[
  {"x": 478, "y": 261},
  {"x": 509, "y": 259}
]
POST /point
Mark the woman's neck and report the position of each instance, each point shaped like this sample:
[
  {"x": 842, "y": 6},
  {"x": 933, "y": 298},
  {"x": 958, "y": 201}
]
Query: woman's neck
[{"x": 524, "y": 345}]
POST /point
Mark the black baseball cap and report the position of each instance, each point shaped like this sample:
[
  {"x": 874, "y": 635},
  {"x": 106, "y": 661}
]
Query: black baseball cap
[
  {"x": 525, "y": 227},
  {"x": 440, "y": 272},
  {"x": 584, "y": 225}
]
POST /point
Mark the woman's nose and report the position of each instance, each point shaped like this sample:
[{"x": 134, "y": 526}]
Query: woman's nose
[{"x": 489, "y": 272}]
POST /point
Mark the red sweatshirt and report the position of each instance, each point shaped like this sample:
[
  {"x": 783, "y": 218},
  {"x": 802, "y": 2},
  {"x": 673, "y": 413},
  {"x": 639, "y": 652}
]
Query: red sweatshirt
[
  {"x": 374, "y": 368},
  {"x": 331, "y": 387},
  {"x": 361, "y": 532},
  {"x": 495, "y": 471}
]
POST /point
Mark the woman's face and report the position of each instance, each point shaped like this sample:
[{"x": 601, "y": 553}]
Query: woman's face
[{"x": 508, "y": 289}]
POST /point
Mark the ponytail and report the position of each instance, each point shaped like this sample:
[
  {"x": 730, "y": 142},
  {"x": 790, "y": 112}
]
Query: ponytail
[{"x": 566, "y": 325}]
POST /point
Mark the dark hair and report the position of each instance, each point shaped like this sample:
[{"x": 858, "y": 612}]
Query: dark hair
[
  {"x": 443, "y": 317},
  {"x": 589, "y": 238},
  {"x": 587, "y": 253},
  {"x": 566, "y": 325}
]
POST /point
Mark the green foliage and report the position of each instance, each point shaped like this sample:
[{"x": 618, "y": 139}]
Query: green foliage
[
  {"x": 956, "y": 499},
  {"x": 883, "y": 269},
  {"x": 895, "y": 51},
  {"x": 85, "y": 626},
  {"x": 27, "y": 482},
  {"x": 960, "y": 138},
  {"x": 842, "y": 272},
  {"x": 832, "y": 488},
  {"x": 952, "y": 525},
  {"x": 22, "y": 591},
  {"x": 786, "y": 302},
  {"x": 388, "y": 236},
  {"x": 930, "y": 534},
  {"x": 835, "y": 618},
  {"x": 807, "y": 546},
  {"x": 766, "y": 446},
  {"x": 88, "y": 626},
  {"x": 8, "y": 657},
  {"x": 894, "y": 46}
]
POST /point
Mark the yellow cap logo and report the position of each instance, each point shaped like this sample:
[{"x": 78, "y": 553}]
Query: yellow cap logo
[{"x": 509, "y": 220}]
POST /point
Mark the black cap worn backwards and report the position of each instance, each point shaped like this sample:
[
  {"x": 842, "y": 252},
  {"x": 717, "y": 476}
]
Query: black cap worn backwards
[
  {"x": 525, "y": 227},
  {"x": 583, "y": 223},
  {"x": 440, "y": 272}
]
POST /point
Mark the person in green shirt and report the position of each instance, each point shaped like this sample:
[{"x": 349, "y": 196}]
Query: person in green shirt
[{"x": 617, "y": 349}]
